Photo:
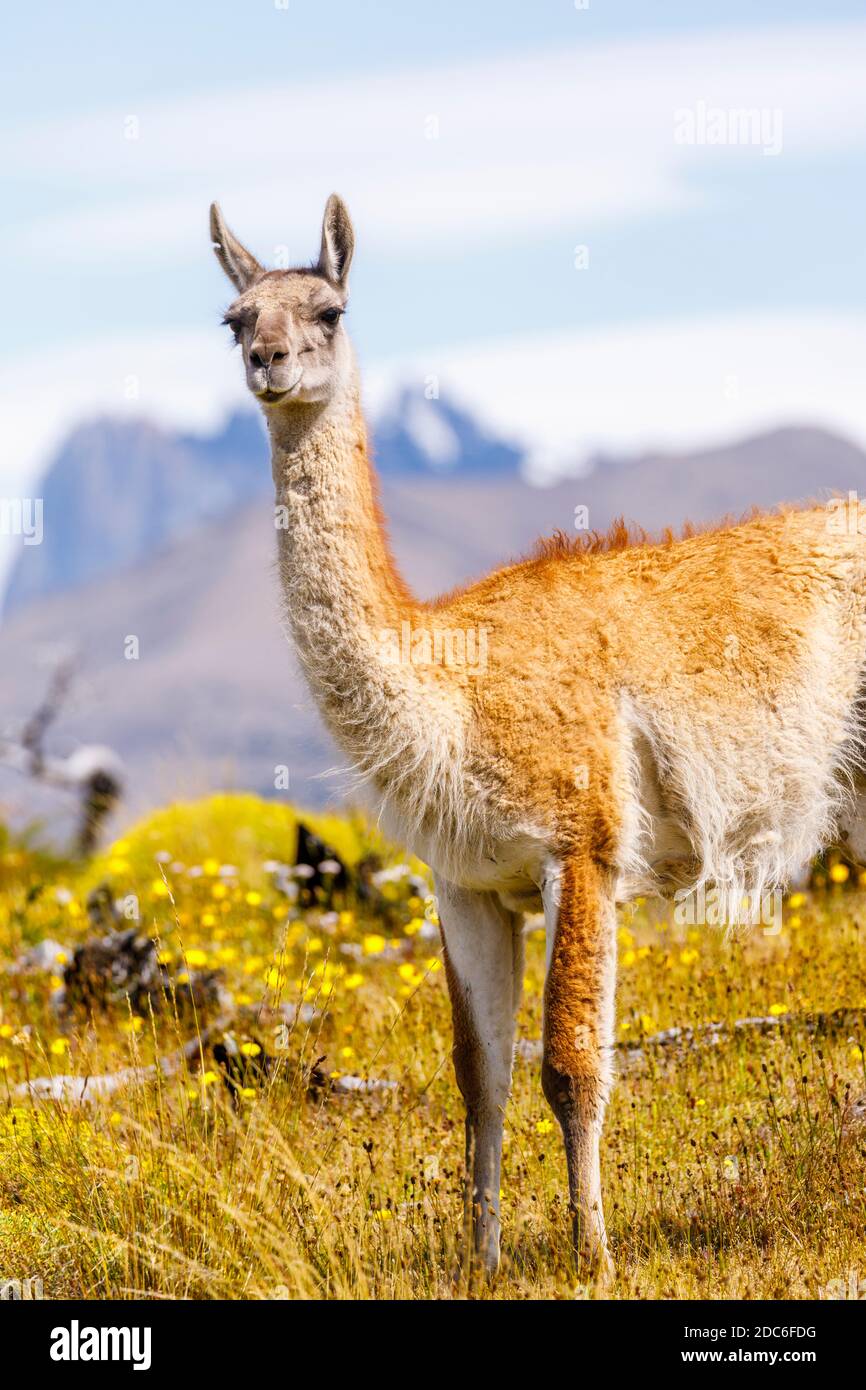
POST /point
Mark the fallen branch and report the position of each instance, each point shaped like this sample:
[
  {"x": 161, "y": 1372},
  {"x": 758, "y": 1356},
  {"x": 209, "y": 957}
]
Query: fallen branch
[
  {"x": 82, "y": 1090},
  {"x": 711, "y": 1034},
  {"x": 79, "y": 1090}
]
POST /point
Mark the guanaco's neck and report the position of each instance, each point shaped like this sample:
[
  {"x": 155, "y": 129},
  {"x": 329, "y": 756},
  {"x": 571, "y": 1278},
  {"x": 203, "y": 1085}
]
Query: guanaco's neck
[
  {"x": 338, "y": 574},
  {"x": 342, "y": 592}
]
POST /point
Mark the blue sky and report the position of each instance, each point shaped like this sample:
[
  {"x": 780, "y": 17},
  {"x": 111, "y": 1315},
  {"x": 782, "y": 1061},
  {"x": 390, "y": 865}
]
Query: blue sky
[{"x": 725, "y": 288}]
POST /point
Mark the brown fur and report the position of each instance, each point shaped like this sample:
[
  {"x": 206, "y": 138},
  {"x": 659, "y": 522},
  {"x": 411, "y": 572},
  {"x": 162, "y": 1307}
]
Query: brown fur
[{"x": 573, "y": 1046}]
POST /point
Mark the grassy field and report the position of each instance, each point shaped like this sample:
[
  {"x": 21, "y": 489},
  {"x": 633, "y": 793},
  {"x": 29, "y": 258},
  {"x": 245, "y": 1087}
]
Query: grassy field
[{"x": 731, "y": 1171}]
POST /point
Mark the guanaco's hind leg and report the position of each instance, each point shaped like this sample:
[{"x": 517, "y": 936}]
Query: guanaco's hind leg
[
  {"x": 580, "y": 919},
  {"x": 484, "y": 963}
]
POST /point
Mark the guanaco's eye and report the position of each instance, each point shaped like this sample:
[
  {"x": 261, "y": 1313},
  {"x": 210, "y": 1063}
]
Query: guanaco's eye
[
  {"x": 235, "y": 326},
  {"x": 330, "y": 316}
]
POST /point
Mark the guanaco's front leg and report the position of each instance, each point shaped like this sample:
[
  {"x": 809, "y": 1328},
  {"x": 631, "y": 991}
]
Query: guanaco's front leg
[{"x": 484, "y": 962}]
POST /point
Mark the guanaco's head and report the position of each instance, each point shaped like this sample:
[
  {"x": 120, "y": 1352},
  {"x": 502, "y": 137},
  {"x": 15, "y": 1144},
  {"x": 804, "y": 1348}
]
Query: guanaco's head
[{"x": 288, "y": 323}]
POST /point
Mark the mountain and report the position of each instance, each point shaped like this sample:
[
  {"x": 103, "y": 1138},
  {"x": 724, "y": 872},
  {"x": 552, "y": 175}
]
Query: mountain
[
  {"x": 214, "y": 699},
  {"x": 784, "y": 465},
  {"x": 417, "y": 435},
  {"x": 117, "y": 492}
]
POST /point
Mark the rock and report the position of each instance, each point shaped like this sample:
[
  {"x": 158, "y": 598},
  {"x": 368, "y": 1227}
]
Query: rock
[
  {"x": 45, "y": 955},
  {"x": 123, "y": 966}
]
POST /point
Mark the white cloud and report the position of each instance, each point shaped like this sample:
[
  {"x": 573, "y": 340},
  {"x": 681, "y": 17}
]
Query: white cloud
[
  {"x": 675, "y": 385},
  {"x": 553, "y": 138},
  {"x": 186, "y": 379},
  {"x": 679, "y": 384}
]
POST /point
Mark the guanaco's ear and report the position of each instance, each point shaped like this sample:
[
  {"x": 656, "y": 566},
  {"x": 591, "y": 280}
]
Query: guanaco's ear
[
  {"x": 239, "y": 264},
  {"x": 338, "y": 243}
]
